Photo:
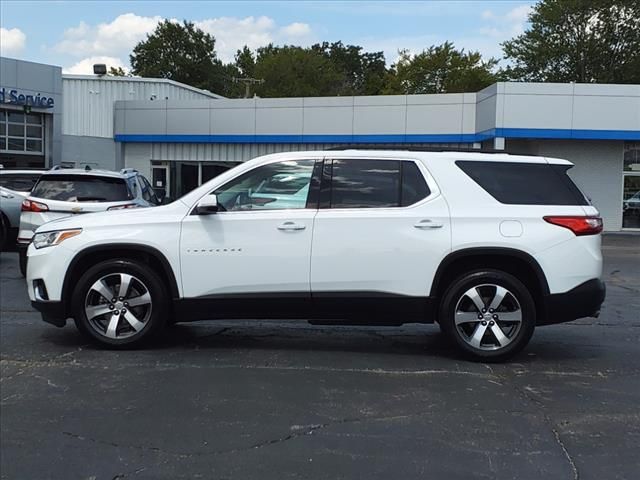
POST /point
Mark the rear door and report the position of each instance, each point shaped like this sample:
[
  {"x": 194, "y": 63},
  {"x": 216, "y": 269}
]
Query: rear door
[{"x": 379, "y": 235}]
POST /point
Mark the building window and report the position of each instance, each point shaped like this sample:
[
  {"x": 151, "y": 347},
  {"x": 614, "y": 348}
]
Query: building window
[
  {"x": 21, "y": 133},
  {"x": 631, "y": 186}
]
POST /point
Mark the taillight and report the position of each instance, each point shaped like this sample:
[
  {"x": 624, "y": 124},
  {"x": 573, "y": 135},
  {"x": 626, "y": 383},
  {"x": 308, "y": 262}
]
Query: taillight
[
  {"x": 32, "y": 206},
  {"x": 121, "y": 207},
  {"x": 578, "y": 225}
]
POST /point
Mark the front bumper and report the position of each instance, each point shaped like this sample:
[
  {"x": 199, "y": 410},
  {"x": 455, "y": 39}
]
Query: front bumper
[
  {"x": 52, "y": 312},
  {"x": 584, "y": 300}
]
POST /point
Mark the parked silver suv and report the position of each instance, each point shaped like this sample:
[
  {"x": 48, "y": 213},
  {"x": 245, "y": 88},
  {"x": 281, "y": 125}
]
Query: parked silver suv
[{"x": 64, "y": 192}]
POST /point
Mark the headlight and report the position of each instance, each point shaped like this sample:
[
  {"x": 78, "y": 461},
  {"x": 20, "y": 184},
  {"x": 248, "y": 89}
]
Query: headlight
[{"x": 48, "y": 239}]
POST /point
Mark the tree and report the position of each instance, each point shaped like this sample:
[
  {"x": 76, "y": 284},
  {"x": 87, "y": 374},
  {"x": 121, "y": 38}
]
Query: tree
[
  {"x": 291, "y": 71},
  {"x": 578, "y": 41},
  {"x": 440, "y": 69},
  {"x": 181, "y": 52},
  {"x": 363, "y": 72},
  {"x": 245, "y": 62},
  {"x": 117, "y": 72}
]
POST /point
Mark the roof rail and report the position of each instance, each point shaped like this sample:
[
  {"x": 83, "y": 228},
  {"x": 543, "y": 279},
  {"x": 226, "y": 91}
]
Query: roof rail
[
  {"x": 56, "y": 167},
  {"x": 124, "y": 171},
  {"x": 408, "y": 148}
]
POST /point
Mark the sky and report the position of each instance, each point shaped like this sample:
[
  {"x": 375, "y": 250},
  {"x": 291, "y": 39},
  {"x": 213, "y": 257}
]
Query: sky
[{"x": 77, "y": 34}]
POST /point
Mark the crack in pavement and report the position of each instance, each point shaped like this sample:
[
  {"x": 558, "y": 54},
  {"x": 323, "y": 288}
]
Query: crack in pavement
[
  {"x": 524, "y": 393},
  {"x": 566, "y": 453},
  {"x": 300, "y": 431},
  {"x": 157, "y": 365}
]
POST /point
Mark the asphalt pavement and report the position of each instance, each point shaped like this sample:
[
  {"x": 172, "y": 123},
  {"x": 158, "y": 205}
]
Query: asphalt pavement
[{"x": 275, "y": 400}]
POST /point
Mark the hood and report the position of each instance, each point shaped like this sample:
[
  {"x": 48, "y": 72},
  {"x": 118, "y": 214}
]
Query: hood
[{"x": 132, "y": 216}]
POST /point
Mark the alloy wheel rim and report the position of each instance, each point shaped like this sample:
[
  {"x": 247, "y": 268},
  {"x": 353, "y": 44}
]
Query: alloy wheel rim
[
  {"x": 488, "y": 317},
  {"x": 118, "y": 306}
]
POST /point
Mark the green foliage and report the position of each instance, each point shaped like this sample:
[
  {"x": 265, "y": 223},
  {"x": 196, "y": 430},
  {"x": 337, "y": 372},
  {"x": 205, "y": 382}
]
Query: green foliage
[
  {"x": 362, "y": 73},
  {"x": 117, "y": 72},
  {"x": 578, "y": 41},
  {"x": 180, "y": 52},
  {"x": 245, "y": 62},
  {"x": 185, "y": 53},
  {"x": 291, "y": 71},
  {"x": 440, "y": 69}
]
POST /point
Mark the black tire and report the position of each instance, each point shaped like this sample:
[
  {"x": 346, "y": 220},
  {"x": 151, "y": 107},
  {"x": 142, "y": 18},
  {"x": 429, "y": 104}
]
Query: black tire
[
  {"x": 22, "y": 262},
  {"x": 144, "y": 279},
  {"x": 4, "y": 232},
  {"x": 475, "y": 336}
]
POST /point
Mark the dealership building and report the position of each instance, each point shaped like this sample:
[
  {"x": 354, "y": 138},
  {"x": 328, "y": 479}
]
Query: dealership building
[{"x": 180, "y": 136}]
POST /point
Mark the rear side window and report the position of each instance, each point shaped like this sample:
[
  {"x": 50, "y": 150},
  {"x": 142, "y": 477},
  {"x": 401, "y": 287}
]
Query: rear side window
[
  {"x": 365, "y": 184},
  {"x": 20, "y": 182},
  {"x": 81, "y": 188},
  {"x": 361, "y": 183},
  {"x": 525, "y": 183}
]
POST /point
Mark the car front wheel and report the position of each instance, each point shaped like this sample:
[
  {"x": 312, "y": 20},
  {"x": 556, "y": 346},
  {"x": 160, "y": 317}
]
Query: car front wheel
[
  {"x": 489, "y": 314},
  {"x": 120, "y": 303}
]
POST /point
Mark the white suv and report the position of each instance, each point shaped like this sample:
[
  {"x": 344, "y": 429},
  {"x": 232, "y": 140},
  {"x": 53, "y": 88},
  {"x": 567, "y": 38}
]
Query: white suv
[{"x": 489, "y": 246}]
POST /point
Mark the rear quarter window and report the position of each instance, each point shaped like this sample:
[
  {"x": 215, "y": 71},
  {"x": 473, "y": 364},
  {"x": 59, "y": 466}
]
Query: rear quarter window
[
  {"x": 525, "y": 183},
  {"x": 85, "y": 188},
  {"x": 20, "y": 182}
]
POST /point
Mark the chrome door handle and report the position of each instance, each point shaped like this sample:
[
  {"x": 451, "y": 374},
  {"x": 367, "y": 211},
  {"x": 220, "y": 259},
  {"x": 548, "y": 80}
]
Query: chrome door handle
[
  {"x": 291, "y": 226},
  {"x": 428, "y": 225}
]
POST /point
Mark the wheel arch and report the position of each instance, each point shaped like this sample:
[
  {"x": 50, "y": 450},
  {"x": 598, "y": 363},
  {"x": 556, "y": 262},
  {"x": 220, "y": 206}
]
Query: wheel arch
[
  {"x": 516, "y": 262},
  {"x": 131, "y": 251}
]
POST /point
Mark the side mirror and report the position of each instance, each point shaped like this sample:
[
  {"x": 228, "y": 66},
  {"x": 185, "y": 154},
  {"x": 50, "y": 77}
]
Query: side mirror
[{"x": 207, "y": 205}]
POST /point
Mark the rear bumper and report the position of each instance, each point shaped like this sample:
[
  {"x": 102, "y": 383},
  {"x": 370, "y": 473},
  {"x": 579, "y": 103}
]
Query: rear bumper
[
  {"x": 52, "y": 312},
  {"x": 584, "y": 300}
]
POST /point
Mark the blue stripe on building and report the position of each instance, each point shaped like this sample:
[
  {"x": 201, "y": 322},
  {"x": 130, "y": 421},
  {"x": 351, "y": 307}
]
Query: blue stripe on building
[{"x": 392, "y": 138}]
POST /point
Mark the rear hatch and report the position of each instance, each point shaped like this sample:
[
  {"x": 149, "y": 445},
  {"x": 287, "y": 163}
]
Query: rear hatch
[
  {"x": 541, "y": 188},
  {"x": 60, "y": 195}
]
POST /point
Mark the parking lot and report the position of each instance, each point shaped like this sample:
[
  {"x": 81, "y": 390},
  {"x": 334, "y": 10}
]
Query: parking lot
[{"x": 289, "y": 400}]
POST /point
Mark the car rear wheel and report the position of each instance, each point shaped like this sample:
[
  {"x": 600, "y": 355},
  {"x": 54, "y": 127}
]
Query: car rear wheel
[
  {"x": 489, "y": 314},
  {"x": 120, "y": 303}
]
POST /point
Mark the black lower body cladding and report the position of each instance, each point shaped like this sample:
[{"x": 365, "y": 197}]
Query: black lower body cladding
[{"x": 584, "y": 300}]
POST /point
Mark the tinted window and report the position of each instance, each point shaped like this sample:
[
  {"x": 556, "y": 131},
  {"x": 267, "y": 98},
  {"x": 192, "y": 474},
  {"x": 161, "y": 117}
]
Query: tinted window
[
  {"x": 274, "y": 186},
  {"x": 147, "y": 192},
  {"x": 414, "y": 186},
  {"x": 525, "y": 183},
  {"x": 365, "y": 183},
  {"x": 85, "y": 188},
  {"x": 20, "y": 182}
]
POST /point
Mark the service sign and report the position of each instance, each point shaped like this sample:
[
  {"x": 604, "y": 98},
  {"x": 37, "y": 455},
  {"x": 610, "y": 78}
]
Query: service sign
[{"x": 15, "y": 97}]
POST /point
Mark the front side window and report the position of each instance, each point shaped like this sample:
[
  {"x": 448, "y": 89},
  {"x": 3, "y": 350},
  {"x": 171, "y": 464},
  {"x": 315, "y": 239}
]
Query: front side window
[
  {"x": 276, "y": 186},
  {"x": 81, "y": 188},
  {"x": 361, "y": 183}
]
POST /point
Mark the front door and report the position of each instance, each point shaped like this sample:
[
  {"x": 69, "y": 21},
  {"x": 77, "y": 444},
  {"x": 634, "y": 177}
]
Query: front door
[{"x": 257, "y": 247}]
